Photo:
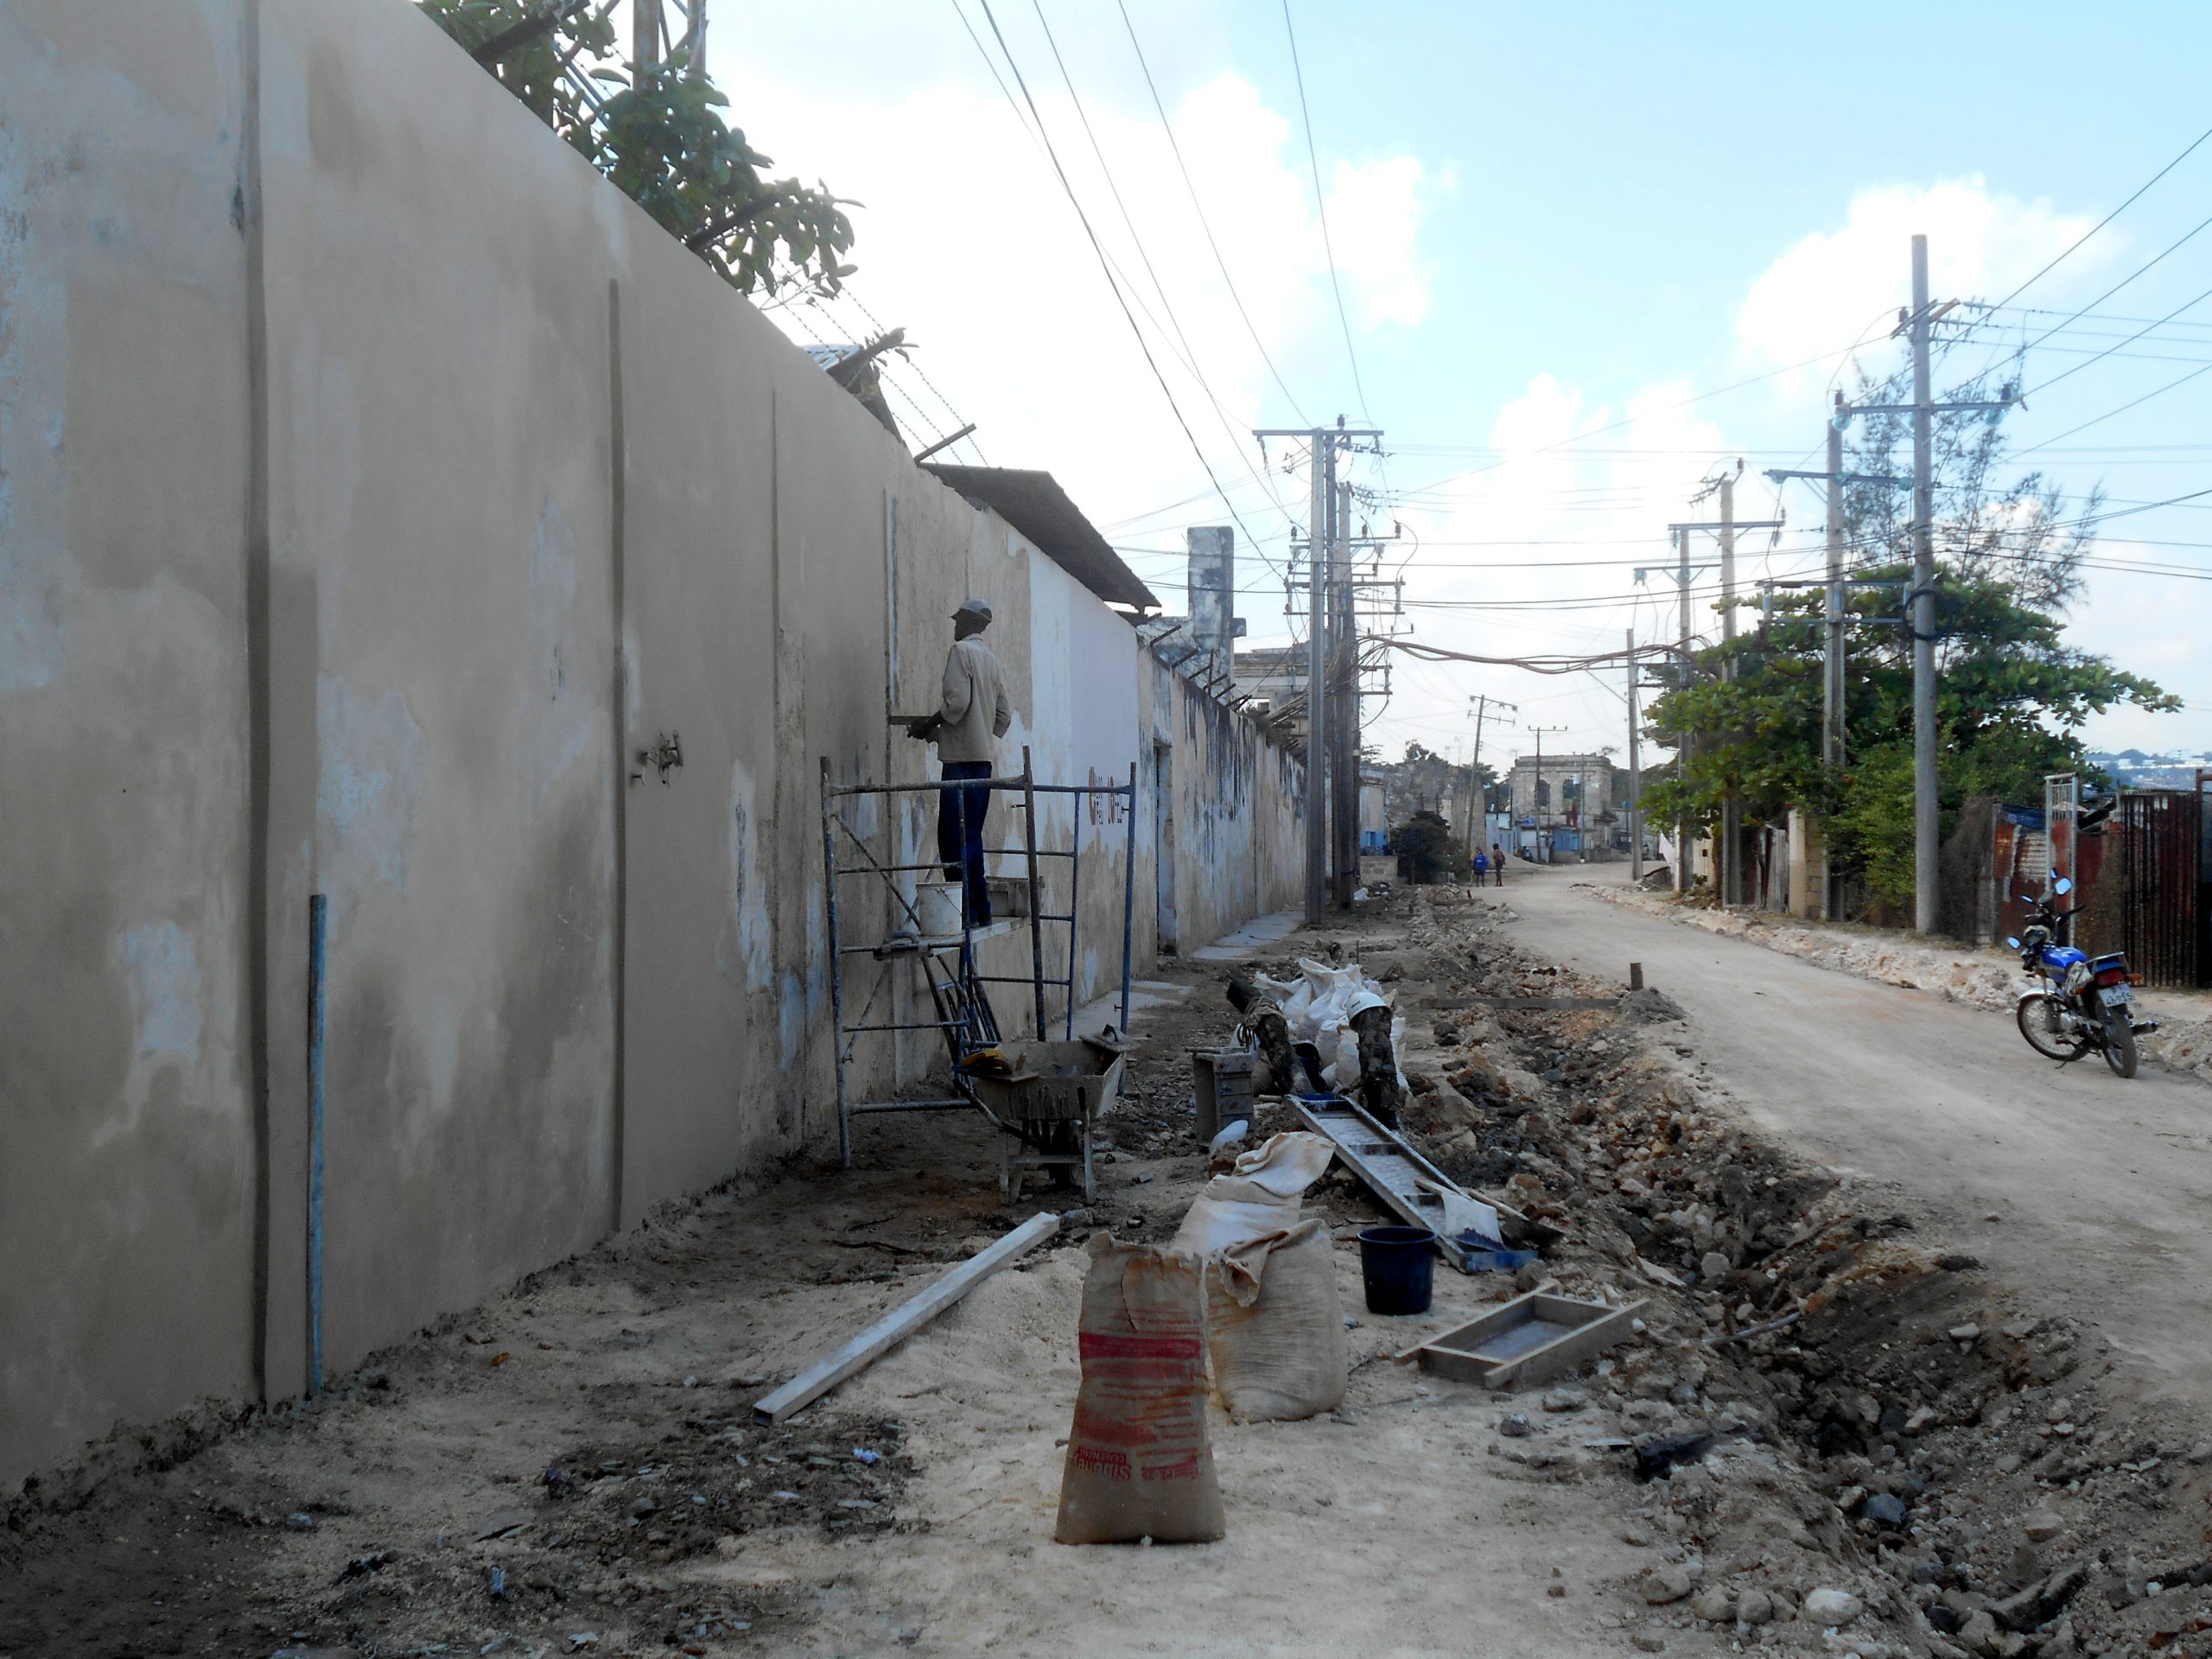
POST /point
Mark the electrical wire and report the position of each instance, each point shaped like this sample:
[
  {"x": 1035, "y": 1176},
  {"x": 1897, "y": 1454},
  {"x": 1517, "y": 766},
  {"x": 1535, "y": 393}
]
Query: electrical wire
[
  {"x": 1128, "y": 316},
  {"x": 1204, "y": 224},
  {"x": 2109, "y": 413},
  {"x": 1189, "y": 353},
  {"x": 1321, "y": 207},
  {"x": 2108, "y": 219}
]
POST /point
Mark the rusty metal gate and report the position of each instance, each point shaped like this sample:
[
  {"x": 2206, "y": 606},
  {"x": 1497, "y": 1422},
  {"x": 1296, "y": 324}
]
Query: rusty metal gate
[{"x": 2166, "y": 884}]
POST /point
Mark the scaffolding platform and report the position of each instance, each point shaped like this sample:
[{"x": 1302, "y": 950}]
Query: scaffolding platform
[{"x": 1047, "y": 1141}]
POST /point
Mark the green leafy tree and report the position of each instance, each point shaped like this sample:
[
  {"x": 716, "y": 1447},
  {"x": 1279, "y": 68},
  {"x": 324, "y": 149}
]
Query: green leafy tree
[
  {"x": 2011, "y": 696},
  {"x": 1426, "y": 850},
  {"x": 659, "y": 135}
]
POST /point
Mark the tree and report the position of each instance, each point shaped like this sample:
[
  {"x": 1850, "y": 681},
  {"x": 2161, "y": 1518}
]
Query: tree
[
  {"x": 1427, "y": 851},
  {"x": 2010, "y": 694},
  {"x": 659, "y": 137}
]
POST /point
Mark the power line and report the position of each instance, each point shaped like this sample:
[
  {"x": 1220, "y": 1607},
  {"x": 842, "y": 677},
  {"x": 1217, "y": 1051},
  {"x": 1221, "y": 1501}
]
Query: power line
[
  {"x": 2109, "y": 413},
  {"x": 1190, "y": 352},
  {"x": 2109, "y": 349},
  {"x": 1204, "y": 224},
  {"x": 1128, "y": 317},
  {"x": 1321, "y": 207},
  {"x": 2108, "y": 219},
  {"x": 2116, "y": 286}
]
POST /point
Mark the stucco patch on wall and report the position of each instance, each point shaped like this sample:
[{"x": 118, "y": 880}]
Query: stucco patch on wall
[
  {"x": 743, "y": 952},
  {"x": 556, "y": 709},
  {"x": 373, "y": 759},
  {"x": 160, "y": 966},
  {"x": 34, "y": 570}
]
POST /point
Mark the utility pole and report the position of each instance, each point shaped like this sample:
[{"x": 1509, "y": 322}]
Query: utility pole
[
  {"x": 1833, "y": 654},
  {"x": 1726, "y": 852},
  {"x": 1926, "y": 865},
  {"x": 1478, "y": 819},
  {"x": 1345, "y": 798},
  {"x": 1317, "y": 542},
  {"x": 1635, "y": 774},
  {"x": 1536, "y": 793},
  {"x": 1320, "y": 544},
  {"x": 1920, "y": 607},
  {"x": 1685, "y": 737}
]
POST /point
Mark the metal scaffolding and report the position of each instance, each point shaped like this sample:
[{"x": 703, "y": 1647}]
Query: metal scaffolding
[{"x": 959, "y": 991}]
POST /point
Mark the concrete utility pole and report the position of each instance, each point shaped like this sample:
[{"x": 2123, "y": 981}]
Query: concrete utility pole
[
  {"x": 1320, "y": 542},
  {"x": 1345, "y": 798},
  {"x": 1926, "y": 824},
  {"x": 1685, "y": 737},
  {"x": 1727, "y": 863},
  {"x": 1833, "y": 647},
  {"x": 1731, "y": 807},
  {"x": 1634, "y": 773},
  {"x": 1536, "y": 790},
  {"x": 1477, "y": 818}
]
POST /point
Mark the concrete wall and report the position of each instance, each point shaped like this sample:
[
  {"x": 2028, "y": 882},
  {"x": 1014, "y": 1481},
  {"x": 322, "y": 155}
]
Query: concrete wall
[
  {"x": 127, "y": 1214},
  {"x": 1237, "y": 846},
  {"x": 381, "y": 498}
]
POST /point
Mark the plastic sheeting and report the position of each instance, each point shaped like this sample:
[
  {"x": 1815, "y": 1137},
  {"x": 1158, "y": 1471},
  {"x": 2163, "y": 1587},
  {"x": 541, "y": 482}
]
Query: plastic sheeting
[{"x": 1317, "y": 1006}]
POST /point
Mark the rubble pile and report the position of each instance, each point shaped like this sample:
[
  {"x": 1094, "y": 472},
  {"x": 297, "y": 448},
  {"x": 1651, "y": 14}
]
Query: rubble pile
[{"x": 1853, "y": 1442}]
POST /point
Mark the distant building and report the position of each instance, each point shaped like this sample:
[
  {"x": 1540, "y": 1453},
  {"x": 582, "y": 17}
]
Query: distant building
[{"x": 1575, "y": 803}]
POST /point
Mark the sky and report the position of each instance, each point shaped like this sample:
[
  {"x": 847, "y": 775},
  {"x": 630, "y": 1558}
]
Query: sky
[{"x": 1575, "y": 259}]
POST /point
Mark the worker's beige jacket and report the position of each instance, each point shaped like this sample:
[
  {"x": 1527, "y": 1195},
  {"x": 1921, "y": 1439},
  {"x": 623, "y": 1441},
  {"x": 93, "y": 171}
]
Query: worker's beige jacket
[{"x": 975, "y": 711}]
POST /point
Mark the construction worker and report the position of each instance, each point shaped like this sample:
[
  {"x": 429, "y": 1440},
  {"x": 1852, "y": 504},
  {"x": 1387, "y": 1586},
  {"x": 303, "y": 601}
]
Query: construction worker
[{"x": 966, "y": 727}]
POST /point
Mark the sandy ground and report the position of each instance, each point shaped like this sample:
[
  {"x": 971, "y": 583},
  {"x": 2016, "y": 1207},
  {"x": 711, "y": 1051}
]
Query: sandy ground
[
  {"x": 574, "y": 1468},
  {"x": 2096, "y": 1190}
]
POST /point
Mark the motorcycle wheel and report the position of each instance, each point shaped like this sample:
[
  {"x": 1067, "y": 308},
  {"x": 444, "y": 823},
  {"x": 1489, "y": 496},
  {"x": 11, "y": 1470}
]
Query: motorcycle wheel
[
  {"x": 2037, "y": 1017},
  {"x": 2119, "y": 1042}
]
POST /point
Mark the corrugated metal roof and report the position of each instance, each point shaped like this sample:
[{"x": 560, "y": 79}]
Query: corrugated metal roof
[{"x": 1035, "y": 504}]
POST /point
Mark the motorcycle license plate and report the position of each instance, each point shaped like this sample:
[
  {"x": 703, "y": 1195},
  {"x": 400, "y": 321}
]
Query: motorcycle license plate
[{"x": 2117, "y": 995}]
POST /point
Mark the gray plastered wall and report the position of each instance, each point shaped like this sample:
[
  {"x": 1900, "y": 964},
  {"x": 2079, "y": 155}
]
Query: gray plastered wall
[{"x": 380, "y": 489}]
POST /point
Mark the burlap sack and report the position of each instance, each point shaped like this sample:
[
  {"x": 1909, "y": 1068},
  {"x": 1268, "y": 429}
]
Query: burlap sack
[
  {"x": 1138, "y": 1464},
  {"x": 1275, "y": 1328}
]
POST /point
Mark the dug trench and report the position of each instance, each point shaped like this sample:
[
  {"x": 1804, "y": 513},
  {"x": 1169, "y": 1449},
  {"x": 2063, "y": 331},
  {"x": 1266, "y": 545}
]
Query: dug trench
[
  {"x": 1838, "y": 1418},
  {"x": 1832, "y": 1432}
]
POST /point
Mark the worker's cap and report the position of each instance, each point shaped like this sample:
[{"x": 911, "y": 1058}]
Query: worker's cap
[{"x": 979, "y": 609}]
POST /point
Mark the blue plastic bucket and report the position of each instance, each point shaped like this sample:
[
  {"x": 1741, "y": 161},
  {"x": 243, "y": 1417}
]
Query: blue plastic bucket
[{"x": 1397, "y": 1266}]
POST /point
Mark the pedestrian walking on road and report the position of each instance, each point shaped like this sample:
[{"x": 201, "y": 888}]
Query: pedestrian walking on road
[
  {"x": 1482, "y": 866},
  {"x": 1497, "y": 861},
  {"x": 973, "y": 715}
]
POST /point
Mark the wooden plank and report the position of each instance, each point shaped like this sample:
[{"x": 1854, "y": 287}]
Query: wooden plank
[{"x": 894, "y": 1328}]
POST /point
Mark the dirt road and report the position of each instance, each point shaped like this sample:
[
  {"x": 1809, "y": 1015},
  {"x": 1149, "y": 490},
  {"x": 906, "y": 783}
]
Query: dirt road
[{"x": 2064, "y": 1178}]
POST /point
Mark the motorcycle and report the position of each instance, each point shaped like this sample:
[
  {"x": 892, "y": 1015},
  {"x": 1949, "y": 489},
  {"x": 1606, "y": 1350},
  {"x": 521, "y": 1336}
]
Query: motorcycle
[{"x": 2087, "y": 1001}]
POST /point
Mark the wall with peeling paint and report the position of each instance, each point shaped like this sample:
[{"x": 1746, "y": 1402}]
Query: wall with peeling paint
[
  {"x": 1237, "y": 848},
  {"x": 126, "y": 1122},
  {"x": 385, "y": 505}
]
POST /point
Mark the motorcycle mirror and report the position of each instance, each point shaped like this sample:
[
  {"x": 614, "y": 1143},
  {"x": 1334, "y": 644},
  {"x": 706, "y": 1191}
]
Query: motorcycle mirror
[
  {"x": 2061, "y": 887},
  {"x": 2015, "y": 943}
]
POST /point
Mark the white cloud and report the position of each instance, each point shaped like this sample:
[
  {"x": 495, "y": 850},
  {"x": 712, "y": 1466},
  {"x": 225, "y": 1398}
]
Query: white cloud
[
  {"x": 1832, "y": 287},
  {"x": 1374, "y": 216},
  {"x": 968, "y": 240}
]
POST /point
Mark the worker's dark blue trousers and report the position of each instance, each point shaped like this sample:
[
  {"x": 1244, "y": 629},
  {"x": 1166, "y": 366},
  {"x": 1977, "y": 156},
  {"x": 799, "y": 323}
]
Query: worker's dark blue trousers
[{"x": 960, "y": 816}]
